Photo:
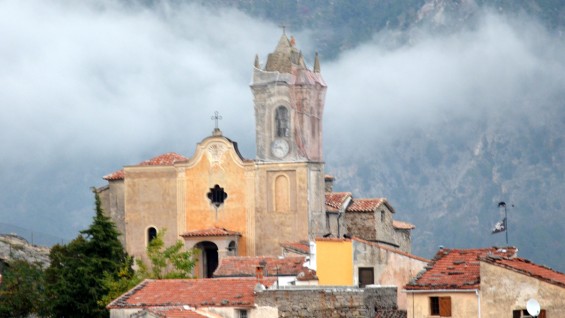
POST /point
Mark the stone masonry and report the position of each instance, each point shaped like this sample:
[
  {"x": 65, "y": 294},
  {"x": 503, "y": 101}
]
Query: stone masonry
[{"x": 332, "y": 302}]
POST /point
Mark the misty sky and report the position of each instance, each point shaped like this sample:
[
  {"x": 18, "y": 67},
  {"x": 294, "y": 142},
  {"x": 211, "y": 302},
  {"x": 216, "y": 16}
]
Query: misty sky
[{"x": 89, "y": 86}]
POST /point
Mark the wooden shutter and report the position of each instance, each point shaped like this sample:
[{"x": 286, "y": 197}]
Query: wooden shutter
[
  {"x": 542, "y": 314},
  {"x": 516, "y": 314},
  {"x": 445, "y": 306}
]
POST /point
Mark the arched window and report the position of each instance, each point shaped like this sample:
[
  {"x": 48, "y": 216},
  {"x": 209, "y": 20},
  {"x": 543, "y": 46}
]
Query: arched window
[
  {"x": 282, "y": 122},
  {"x": 232, "y": 249},
  {"x": 151, "y": 234}
]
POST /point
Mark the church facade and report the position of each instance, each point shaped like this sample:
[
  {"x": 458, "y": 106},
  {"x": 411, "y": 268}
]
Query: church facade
[{"x": 223, "y": 204}]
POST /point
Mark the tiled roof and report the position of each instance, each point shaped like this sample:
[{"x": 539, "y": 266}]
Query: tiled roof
[
  {"x": 329, "y": 177},
  {"x": 301, "y": 247},
  {"x": 388, "y": 248},
  {"x": 214, "y": 231},
  {"x": 334, "y": 200},
  {"x": 365, "y": 205},
  {"x": 175, "y": 312},
  {"x": 528, "y": 268},
  {"x": 456, "y": 269},
  {"x": 246, "y": 266},
  {"x": 306, "y": 274},
  {"x": 167, "y": 159},
  {"x": 207, "y": 292},
  {"x": 402, "y": 225}
]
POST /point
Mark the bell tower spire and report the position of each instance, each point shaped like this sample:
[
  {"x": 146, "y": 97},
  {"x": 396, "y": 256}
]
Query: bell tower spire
[{"x": 289, "y": 103}]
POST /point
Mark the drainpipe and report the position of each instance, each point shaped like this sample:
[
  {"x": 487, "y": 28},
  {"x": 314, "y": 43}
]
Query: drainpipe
[{"x": 479, "y": 301}]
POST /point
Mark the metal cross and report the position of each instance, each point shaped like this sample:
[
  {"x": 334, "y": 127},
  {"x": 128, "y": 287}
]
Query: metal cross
[
  {"x": 283, "y": 28},
  {"x": 216, "y": 117}
]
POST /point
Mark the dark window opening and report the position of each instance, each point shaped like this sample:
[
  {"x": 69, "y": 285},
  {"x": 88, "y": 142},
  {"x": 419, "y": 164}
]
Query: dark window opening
[
  {"x": 232, "y": 249},
  {"x": 151, "y": 234},
  {"x": 217, "y": 195},
  {"x": 523, "y": 313},
  {"x": 440, "y": 306},
  {"x": 281, "y": 118},
  {"x": 242, "y": 313},
  {"x": 366, "y": 276},
  {"x": 382, "y": 216}
]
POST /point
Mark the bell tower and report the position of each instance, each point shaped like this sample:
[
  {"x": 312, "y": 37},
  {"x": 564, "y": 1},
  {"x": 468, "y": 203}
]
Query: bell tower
[
  {"x": 289, "y": 104},
  {"x": 289, "y": 189}
]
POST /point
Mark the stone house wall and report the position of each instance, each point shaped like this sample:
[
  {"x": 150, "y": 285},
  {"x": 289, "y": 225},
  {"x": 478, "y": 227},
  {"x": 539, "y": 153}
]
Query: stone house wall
[
  {"x": 330, "y": 302},
  {"x": 504, "y": 290}
]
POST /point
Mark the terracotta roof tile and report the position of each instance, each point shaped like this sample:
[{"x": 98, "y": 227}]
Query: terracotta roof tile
[
  {"x": 246, "y": 266},
  {"x": 301, "y": 247},
  {"x": 526, "y": 267},
  {"x": 214, "y": 231},
  {"x": 335, "y": 200},
  {"x": 388, "y": 248},
  {"x": 208, "y": 292},
  {"x": 167, "y": 159},
  {"x": 175, "y": 312},
  {"x": 365, "y": 205},
  {"x": 402, "y": 225},
  {"x": 456, "y": 269}
]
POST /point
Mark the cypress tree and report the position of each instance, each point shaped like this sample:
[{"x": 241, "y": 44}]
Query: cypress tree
[{"x": 75, "y": 279}]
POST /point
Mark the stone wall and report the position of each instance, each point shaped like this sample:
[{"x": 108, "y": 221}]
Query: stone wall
[
  {"x": 361, "y": 224},
  {"x": 318, "y": 302}
]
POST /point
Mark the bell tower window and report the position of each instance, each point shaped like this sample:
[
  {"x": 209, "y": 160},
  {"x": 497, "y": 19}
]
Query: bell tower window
[{"x": 282, "y": 122}]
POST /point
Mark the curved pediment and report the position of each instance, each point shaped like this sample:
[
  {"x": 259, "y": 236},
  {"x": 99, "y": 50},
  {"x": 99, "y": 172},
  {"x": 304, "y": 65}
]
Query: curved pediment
[{"x": 216, "y": 149}]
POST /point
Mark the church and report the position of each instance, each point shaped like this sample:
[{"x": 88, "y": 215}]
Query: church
[{"x": 225, "y": 205}]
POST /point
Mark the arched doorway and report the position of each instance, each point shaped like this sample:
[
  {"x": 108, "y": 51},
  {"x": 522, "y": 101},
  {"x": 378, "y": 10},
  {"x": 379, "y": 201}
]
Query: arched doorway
[{"x": 208, "y": 258}]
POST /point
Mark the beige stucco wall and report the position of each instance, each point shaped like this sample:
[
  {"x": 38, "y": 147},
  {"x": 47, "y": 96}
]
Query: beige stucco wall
[
  {"x": 112, "y": 203},
  {"x": 504, "y": 290},
  {"x": 150, "y": 196},
  {"x": 390, "y": 268},
  {"x": 463, "y": 305},
  {"x": 274, "y": 227}
]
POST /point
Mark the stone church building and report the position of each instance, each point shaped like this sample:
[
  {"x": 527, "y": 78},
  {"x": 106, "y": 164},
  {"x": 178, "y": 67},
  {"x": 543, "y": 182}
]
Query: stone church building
[{"x": 223, "y": 204}]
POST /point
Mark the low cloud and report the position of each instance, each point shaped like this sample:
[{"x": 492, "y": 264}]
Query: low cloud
[{"x": 90, "y": 86}]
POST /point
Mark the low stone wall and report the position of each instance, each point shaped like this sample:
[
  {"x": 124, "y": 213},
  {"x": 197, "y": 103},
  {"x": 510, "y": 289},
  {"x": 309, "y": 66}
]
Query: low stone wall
[{"x": 330, "y": 302}]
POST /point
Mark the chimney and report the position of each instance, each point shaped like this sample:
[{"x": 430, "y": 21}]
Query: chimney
[{"x": 329, "y": 183}]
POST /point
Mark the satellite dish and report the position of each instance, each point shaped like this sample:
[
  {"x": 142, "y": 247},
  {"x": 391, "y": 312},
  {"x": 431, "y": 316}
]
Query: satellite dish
[{"x": 533, "y": 307}]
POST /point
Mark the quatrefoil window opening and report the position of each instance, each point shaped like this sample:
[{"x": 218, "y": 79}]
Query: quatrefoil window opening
[{"x": 217, "y": 195}]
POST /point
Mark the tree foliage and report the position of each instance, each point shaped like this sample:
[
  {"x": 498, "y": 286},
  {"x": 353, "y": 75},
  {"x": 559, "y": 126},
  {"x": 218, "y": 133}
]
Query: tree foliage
[
  {"x": 22, "y": 290},
  {"x": 167, "y": 262},
  {"x": 164, "y": 263},
  {"x": 75, "y": 279}
]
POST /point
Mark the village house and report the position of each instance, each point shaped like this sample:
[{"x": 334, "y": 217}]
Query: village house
[{"x": 485, "y": 282}]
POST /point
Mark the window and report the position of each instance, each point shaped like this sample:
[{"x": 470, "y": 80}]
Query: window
[
  {"x": 232, "y": 249},
  {"x": 523, "y": 313},
  {"x": 382, "y": 216},
  {"x": 366, "y": 276},
  {"x": 281, "y": 120},
  {"x": 440, "y": 306},
  {"x": 151, "y": 234},
  {"x": 217, "y": 195},
  {"x": 242, "y": 313}
]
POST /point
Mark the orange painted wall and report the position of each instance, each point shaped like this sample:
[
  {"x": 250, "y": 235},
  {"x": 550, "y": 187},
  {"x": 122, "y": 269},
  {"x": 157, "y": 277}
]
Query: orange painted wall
[
  {"x": 226, "y": 170},
  {"x": 334, "y": 262}
]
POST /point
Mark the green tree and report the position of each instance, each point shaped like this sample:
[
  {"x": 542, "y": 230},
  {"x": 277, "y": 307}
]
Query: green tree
[
  {"x": 22, "y": 290},
  {"x": 75, "y": 279},
  {"x": 165, "y": 263}
]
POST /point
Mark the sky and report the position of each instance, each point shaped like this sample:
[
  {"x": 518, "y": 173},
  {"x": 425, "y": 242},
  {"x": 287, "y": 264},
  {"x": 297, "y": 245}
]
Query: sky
[{"x": 87, "y": 87}]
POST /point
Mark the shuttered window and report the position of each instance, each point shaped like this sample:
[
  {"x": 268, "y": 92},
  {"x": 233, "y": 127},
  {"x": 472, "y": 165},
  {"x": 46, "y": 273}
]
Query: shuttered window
[
  {"x": 440, "y": 306},
  {"x": 523, "y": 313}
]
